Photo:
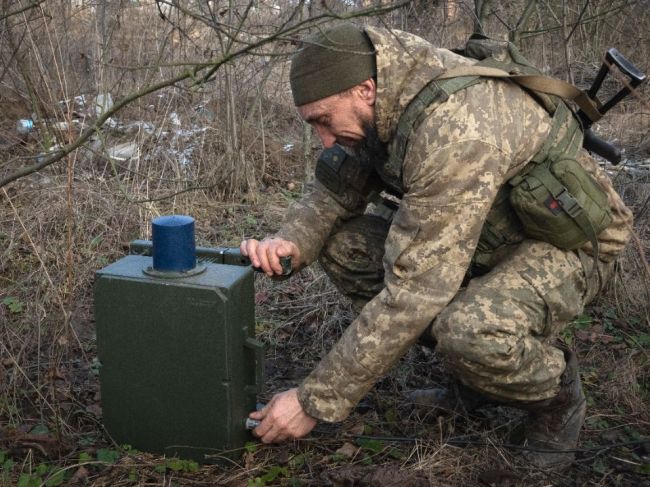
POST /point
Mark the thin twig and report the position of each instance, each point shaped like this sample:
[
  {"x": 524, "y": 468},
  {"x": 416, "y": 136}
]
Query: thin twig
[
  {"x": 578, "y": 22},
  {"x": 22, "y": 9},
  {"x": 59, "y": 299},
  {"x": 211, "y": 65}
]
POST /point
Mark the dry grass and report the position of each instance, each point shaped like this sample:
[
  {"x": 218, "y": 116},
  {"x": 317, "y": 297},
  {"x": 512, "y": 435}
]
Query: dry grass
[{"x": 245, "y": 144}]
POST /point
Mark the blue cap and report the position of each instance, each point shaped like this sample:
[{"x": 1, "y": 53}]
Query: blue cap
[{"x": 174, "y": 247}]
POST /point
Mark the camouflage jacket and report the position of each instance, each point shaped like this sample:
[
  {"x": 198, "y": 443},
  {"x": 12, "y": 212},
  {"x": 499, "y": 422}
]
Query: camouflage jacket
[{"x": 459, "y": 157}]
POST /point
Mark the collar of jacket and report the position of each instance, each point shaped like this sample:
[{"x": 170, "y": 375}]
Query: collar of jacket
[{"x": 405, "y": 64}]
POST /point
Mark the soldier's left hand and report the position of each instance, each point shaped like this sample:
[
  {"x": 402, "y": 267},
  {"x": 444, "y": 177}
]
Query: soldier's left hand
[{"x": 282, "y": 419}]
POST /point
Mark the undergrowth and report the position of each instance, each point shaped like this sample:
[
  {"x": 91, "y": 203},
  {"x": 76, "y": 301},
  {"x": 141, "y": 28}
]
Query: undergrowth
[{"x": 232, "y": 154}]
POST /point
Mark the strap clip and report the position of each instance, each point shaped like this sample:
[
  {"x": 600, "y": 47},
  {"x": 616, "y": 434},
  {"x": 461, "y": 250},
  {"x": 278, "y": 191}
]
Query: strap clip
[{"x": 568, "y": 203}]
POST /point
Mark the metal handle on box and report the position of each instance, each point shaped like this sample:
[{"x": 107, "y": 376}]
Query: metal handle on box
[
  {"x": 218, "y": 255},
  {"x": 258, "y": 348}
]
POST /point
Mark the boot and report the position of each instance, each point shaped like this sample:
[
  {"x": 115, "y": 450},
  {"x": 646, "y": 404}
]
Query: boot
[
  {"x": 554, "y": 424},
  {"x": 457, "y": 397}
]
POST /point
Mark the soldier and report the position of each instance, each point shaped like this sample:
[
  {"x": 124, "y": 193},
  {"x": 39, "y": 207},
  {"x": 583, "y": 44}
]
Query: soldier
[{"x": 494, "y": 311}]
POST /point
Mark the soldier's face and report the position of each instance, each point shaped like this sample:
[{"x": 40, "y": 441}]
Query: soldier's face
[{"x": 342, "y": 118}]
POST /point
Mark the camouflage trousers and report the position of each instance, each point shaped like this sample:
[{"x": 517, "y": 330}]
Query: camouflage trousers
[{"x": 498, "y": 334}]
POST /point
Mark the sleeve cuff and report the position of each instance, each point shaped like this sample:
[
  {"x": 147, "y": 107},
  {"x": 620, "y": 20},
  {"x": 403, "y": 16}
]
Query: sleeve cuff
[{"x": 323, "y": 410}]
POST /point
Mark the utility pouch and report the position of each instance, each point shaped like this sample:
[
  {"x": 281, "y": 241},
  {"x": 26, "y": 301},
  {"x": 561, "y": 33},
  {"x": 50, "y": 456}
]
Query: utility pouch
[
  {"x": 560, "y": 203},
  {"x": 330, "y": 167},
  {"x": 347, "y": 180},
  {"x": 555, "y": 198}
]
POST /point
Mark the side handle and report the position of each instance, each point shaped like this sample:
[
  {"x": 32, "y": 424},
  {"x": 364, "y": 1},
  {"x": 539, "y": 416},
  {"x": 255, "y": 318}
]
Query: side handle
[{"x": 257, "y": 348}]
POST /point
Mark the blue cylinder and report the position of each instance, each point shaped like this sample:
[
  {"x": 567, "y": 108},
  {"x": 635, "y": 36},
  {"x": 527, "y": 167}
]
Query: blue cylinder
[{"x": 174, "y": 247}]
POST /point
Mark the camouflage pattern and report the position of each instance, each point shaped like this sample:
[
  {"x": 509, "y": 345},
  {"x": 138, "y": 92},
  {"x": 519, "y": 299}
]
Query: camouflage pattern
[
  {"x": 532, "y": 293},
  {"x": 311, "y": 219},
  {"x": 498, "y": 335},
  {"x": 353, "y": 255},
  {"x": 462, "y": 153}
]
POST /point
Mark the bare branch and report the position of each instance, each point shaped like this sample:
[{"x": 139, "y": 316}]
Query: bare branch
[
  {"x": 21, "y": 10},
  {"x": 288, "y": 32},
  {"x": 594, "y": 18},
  {"x": 528, "y": 10},
  {"x": 578, "y": 22}
]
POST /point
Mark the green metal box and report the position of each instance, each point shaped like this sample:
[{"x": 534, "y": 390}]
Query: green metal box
[{"x": 180, "y": 367}]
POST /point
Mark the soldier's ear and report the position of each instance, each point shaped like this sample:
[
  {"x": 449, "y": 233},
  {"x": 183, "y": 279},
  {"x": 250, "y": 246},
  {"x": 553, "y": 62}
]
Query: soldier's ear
[{"x": 367, "y": 91}]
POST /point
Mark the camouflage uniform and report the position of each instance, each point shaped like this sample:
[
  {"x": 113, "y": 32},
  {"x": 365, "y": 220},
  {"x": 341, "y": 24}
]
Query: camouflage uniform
[{"x": 496, "y": 334}]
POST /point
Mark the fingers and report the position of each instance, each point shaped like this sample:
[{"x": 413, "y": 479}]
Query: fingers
[
  {"x": 246, "y": 245},
  {"x": 277, "y": 250},
  {"x": 270, "y": 432},
  {"x": 267, "y": 431},
  {"x": 256, "y": 251},
  {"x": 266, "y": 254},
  {"x": 282, "y": 418},
  {"x": 263, "y": 431},
  {"x": 260, "y": 414},
  {"x": 248, "y": 248}
]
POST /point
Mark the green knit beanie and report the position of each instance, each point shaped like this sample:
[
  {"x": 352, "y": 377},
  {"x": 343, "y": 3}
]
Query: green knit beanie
[{"x": 331, "y": 61}]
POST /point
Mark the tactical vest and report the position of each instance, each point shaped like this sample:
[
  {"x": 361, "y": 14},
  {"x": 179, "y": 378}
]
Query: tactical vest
[{"x": 552, "y": 198}]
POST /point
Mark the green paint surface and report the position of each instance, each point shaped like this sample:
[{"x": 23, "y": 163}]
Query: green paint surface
[{"x": 179, "y": 363}]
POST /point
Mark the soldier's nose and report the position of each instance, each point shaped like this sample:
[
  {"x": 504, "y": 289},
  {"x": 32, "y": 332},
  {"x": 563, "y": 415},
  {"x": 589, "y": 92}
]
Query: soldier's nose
[{"x": 326, "y": 137}]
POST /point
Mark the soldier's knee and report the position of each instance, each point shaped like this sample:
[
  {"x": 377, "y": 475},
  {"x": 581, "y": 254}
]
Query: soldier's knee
[
  {"x": 357, "y": 245},
  {"x": 352, "y": 256},
  {"x": 468, "y": 344}
]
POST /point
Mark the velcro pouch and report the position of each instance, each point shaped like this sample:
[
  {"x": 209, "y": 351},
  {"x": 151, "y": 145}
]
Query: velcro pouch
[
  {"x": 560, "y": 203},
  {"x": 344, "y": 176}
]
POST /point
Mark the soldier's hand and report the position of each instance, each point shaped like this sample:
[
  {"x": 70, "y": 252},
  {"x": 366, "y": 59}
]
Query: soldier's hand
[
  {"x": 282, "y": 419},
  {"x": 266, "y": 254}
]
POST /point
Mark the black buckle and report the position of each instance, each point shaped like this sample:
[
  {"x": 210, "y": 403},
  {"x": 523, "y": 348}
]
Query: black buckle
[{"x": 569, "y": 203}]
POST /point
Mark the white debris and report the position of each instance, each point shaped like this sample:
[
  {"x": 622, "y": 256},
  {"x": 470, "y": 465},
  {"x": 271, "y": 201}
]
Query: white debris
[
  {"x": 175, "y": 119},
  {"x": 190, "y": 132},
  {"x": 24, "y": 126},
  {"x": 138, "y": 126},
  {"x": 123, "y": 152},
  {"x": 205, "y": 112},
  {"x": 185, "y": 156},
  {"x": 41, "y": 157},
  {"x": 103, "y": 103}
]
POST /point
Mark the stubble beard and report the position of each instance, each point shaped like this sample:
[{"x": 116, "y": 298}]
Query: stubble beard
[{"x": 371, "y": 151}]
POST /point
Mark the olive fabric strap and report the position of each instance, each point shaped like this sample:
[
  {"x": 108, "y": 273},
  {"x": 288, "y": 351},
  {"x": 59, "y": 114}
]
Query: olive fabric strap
[
  {"x": 461, "y": 77},
  {"x": 544, "y": 84}
]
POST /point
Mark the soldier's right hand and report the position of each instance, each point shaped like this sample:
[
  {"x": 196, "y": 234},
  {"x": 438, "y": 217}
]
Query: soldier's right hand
[{"x": 266, "y": 254}]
